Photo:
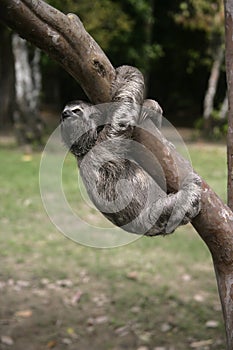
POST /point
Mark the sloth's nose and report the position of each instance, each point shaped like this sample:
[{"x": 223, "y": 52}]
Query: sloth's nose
[{"x": 65, "y": 114}]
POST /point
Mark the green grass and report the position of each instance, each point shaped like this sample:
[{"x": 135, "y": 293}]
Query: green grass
[
  {"x": 145, "y": 284},
  {"x": 210, "y": 162}
]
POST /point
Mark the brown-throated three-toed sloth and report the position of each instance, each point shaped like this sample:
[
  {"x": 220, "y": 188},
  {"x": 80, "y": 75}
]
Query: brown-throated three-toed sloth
[{"x": 100, "y": 137}]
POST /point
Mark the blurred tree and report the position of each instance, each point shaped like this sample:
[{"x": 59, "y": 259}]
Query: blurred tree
[
  {"x": 20, "y": 83},
  {"x": 142, "y": 49},
  {"x": 141, "y": 33},
  {"x": 108, "y": 23},
  {"x": 207, "y": 16},
  {"x": 27, "y": 122},
  {"x": 123, "y": 28},
  {"x": 7, "y": 93},
  {"x": 105, "y": 19},
  {"x": 121, "y": 24}
]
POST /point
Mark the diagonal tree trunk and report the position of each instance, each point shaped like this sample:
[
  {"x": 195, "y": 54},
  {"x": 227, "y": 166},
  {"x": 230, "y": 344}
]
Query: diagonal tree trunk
[{"x": 65, "y": 39}]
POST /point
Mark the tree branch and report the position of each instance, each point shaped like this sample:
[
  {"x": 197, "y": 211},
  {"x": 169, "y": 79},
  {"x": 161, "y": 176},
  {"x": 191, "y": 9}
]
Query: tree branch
[
  {"x": 229, "y": 74},
  {"x": 65, "y": 39}
]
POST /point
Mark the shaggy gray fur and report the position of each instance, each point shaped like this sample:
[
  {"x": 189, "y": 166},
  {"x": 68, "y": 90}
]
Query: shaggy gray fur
[{"x": 100, "y": 137}]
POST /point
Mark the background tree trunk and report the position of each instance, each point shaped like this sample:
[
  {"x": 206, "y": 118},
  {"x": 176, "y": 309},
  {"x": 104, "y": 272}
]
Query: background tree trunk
[
  {"x": 211, "y": 90},
  {"x": 224, "y": 108},
  {"x": 27, "y": 122},
  {"x": 149, "y": 25},
  {"x": 7, "y": 80}
]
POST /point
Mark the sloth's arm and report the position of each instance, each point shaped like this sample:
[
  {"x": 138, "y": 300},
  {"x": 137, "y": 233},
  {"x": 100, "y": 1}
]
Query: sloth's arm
[
  {"x": 127, "y": 94},
  {"x": 130, "y": 109},
  {"x": 177, "y": 208}
]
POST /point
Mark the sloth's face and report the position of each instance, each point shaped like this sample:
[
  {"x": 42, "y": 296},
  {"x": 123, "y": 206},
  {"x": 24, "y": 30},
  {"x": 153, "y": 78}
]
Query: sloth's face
[{"x": 79, "y": 126}]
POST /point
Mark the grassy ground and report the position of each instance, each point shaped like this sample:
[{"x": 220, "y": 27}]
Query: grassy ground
[{"x": 152, "y": 294}]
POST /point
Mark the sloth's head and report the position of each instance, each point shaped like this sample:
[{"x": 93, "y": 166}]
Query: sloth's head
[{"x": 80, "y": 125}]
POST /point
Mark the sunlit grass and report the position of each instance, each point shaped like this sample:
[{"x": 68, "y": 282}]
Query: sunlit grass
[{"x": 162, "y": 276}]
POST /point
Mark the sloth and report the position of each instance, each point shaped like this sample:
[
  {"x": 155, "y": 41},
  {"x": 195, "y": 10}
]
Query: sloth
[{"x": 101, "y": 139}]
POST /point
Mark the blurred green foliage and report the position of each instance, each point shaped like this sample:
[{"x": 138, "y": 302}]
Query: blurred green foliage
[
  {"x": 104, "y": 20},
  {"x": 172, "y": 42},
  {"x": 207, "y": 15}
]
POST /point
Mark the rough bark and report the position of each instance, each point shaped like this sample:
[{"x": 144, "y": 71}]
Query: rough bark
[
  {"x": 229, "y": 72},
  {"x": 65, "y": 39},
  {"x": 228, "y": 5}
]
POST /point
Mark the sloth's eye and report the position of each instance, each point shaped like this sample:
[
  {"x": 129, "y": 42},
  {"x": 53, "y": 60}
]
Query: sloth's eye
[{"x": 76, "y": 110}]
